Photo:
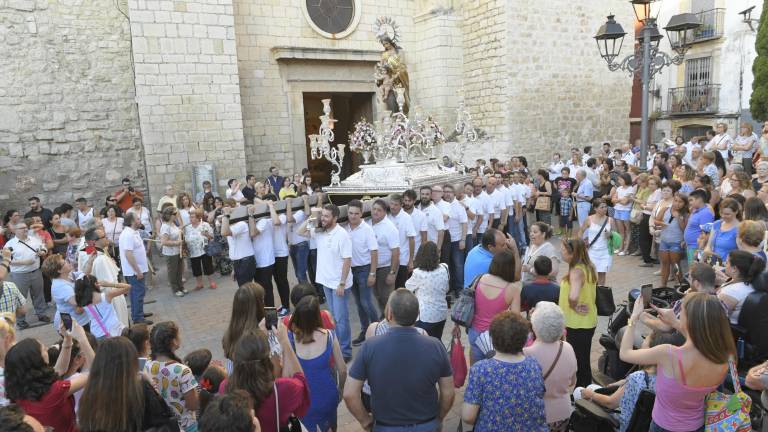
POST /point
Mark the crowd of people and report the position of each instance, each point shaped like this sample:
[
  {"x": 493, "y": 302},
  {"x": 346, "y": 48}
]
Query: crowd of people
[{"x": 406, "y": 260}]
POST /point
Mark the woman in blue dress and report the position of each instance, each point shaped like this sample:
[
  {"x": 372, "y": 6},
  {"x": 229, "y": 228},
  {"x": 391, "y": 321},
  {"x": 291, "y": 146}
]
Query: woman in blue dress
[{"x": 323, "y": 364}]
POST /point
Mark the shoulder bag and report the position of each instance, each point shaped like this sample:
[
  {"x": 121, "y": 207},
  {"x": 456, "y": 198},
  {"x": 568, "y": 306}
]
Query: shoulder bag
[
  {"x": 728, "y": 412},
  {"x": 463, "y": 311},
  {"x": 97, "y": 316},
  {"x": 602, "y": 228},
  {"x": 554, "y": 363}
]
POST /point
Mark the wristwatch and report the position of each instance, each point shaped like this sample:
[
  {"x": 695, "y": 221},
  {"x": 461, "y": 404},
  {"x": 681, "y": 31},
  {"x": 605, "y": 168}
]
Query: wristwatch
[
  {"x": 392, "y": 272},
  {"x": 372, "y": 274}
]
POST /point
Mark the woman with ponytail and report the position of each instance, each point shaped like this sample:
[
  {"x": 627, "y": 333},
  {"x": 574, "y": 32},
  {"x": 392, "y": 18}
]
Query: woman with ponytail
[
  {"x": 743, "y": 268},
  {"x": 170, "y": 377}
]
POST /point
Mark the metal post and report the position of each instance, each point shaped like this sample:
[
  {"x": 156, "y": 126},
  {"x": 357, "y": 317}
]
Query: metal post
[{"x": 646, "y": 77}]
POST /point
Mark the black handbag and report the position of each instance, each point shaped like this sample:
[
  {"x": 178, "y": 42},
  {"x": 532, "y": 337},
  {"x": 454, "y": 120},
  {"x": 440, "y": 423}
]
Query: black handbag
[
  {"x": 590, "y": 417},
  {"x": 604, "y": 301}
]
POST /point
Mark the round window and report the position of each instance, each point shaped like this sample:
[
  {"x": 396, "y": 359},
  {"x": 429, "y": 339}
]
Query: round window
[{"x": 334, "y": 19}]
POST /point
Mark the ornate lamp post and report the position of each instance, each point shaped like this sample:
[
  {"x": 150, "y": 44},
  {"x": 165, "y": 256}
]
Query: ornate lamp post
[
  {"x": 647, "y": 60},
  {"x": 320, "y": 144}
]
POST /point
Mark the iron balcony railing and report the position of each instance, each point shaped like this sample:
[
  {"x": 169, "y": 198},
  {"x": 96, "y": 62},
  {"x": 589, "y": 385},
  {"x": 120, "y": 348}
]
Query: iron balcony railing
[
  {"x": 712, "y": 25},
  {"x": 701, "y": 99}
]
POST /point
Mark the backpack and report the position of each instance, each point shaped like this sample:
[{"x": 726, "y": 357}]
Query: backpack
[
  {"x": 463, "y": 311},
  {"x": 641, "y": 415}
]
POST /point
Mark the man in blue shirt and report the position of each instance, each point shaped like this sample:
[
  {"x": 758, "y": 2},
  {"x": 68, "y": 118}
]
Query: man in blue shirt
[
  {"x": 479, "y": 258},
  {"x": 701, "y": 214},
  {"x": 414, "y": 397}
]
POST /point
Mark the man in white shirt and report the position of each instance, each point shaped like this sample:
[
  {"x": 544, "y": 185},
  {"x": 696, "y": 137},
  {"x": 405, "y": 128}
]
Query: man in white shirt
[
  {"x": 299, "y": 245},
  {"x": 334, "y": 261},
  {"x": 238, "y": 233},
  {"x": 419, "y": 219},
  {"x": 435, "y": 221},
  {"x": 474, "y": 211},
  {"x": 407, "y": 238},
  {"x": 721, "y": 142},
  {"x": 235, "y": 191},
  {"x": 517, "y": 221},
  {"x": 499, "y": 200},
  {"x": 84, "y": 212},
  {"x": 25, "y": 270},
  {"x": 555, "y": 167},
  {"x": 485, "y": 204},
  {"x": 586, "y": 155},
  {"x": 365, "y": 250},
  {"x": 133, "y": 260},
  {"x": 264, "y": 252},
  {"x": 281, "y": 251},
  {"x": 457, "y": 227},
  {"x": 388, "y": 261}
]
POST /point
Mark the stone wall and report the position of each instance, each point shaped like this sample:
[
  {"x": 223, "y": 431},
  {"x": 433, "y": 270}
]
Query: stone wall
[
  {"x": 68, "y": 120},
  {"x": 188, "y": 90}
]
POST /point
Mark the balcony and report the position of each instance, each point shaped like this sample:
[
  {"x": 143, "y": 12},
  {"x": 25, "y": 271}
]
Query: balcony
[
  {"x": 712, "y": 25},
  {"x": 690, "y": 100}
]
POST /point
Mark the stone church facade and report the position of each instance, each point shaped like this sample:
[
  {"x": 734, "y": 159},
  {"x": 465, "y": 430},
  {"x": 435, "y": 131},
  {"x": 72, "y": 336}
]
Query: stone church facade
[{"x": 95, "y": 90}]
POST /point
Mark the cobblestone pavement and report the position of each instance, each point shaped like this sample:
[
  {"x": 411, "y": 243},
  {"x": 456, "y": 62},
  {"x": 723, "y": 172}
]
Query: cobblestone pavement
[{"x": 203, "y": 316}]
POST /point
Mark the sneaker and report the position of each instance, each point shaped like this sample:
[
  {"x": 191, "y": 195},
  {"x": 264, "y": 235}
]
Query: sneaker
[
  {"x": 283, "y": 311},
  {"x": 657, "y": 273},
  {"x": 44, "y": 318},
  {"x": 22, "y": 325},
  {"x": 148, "y": 314},
  {"x": 184, "y": 291},
  {"x": 645, "y": 264},
  {"x": 179, "y": 293},
  {"x": 622, "y": 253},
  {"x": 360, "y": 339}
]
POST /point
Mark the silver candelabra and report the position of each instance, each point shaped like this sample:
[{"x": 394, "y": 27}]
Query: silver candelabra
[{"x": 320, "y": 144}]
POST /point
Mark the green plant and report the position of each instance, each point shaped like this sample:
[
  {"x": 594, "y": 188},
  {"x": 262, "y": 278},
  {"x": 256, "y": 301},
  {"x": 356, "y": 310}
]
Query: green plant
[{"x": 758, "y": 102}]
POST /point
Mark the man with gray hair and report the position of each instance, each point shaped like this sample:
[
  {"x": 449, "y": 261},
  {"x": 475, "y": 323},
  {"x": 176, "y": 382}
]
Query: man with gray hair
[
  {"x": 584, "y": 195},
  {"x": 25, "y": 270},
  {"x": 402, "y": 398}
]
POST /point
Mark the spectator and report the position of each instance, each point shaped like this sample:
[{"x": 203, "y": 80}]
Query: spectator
[
  {"x": 290, "y": 391},
  {"x": 429, "y": 282},
  {"x": 37, "y": 209},
  {"x": 540, "y": 234},
  {"x": 84, "y": 212},
  {"x": 104, "y": 268},
  {"x": 11, "y": 300},
  {"x": 170, "y": 239},
  {"x": 63, "y": 291},
  {"x": 249, "y": 190},
  {"x": 210, "y": 382},
  {"x": 117, "y": 397},
  {"x": 757, "y": 379},
  {"x": 198, "y": 361},
  {"x": 134, "y": 266},
  {"x": 479, "y": 258},
  {"x": 185, "y": 207},
  {"x": 508, "y": 383},
  {"x": 701, "y": 215},
  {"x": 308, "y": 338},
  {"x": 141, "y": 213},
  {"x": 25, "y": 271},
  {"x": 288, "y": 189},
  {"x": 687, "y": 374},
  {"x": 58, "y": 232},
  {"x": 722, "y": 237},
  {"x": 138, "y": 334},
  {"x": 197, "y": 235},
  {"x": 231, "y": 412},
  {"x": 557, "y": 361},
  {"x": 35, "y": 386},
  {"x": 125, "y": 195},
  {"x": 207, "y": 189},
  {"x": 624, "y": 398},
  {"x": 168, "y": 198},
  {"x": 540, "y": 288},
  {"x": 578, "y": 290},
  {"x": 742, "y": 268},
  {"x": 171, "y": 378},
  {"x": 622, "y": 203},
  {"x": 418, "y": 396},
  {"x": 583, "y": 196},
  {"x": 13, "y": 419},
  {"x": 98, "y": 306},
  {"x": 305, "y": 289},
  {"x": 274, "y": 181},
  {"x": 234, "y": 191},
  {"x": 751, "y": 236},
  {"x": 7, "y": 340},
  {"x": 596, "y": 233},
  {"x": 113, "y": 225}
]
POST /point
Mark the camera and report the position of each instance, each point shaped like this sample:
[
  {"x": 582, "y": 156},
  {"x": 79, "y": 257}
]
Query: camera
[{"x": 130, "y": 188}]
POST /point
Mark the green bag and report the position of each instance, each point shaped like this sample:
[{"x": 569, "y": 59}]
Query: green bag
[{"x": 614, "y": 242}]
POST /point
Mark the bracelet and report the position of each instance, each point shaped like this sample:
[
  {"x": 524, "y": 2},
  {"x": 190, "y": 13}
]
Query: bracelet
[{"x": 371, "y": 274}]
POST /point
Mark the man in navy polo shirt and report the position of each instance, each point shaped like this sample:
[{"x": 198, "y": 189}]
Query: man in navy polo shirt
[
  {"x": 403, "y": 398},
  {"x": 480, "y": 257}
]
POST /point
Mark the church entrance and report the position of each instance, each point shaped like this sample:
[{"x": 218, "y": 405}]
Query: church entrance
[{"x": 347, "y": 109}]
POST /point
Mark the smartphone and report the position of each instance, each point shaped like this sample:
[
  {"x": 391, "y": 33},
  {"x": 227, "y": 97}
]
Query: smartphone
[
  {"x": 67, "y": 320},
  {"x": 646, "y": 291},
  {"x": 270, "y": 317}
]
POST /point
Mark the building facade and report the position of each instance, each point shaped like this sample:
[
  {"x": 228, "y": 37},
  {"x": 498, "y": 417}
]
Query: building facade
[
  {"x": 714, "y": 83},
  {"x": 152, "y": 89}
]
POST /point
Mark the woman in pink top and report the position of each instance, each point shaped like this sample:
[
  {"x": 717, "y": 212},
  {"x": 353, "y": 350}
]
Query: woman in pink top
[
  {"x": 557, "y": 360},
  {"x": 686, "y": 374},
  {"x": 496, "y": 291}
]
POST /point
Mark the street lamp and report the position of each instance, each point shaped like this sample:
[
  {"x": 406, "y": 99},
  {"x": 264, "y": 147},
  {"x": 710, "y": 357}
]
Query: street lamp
[{"x": 647, "y": 60}]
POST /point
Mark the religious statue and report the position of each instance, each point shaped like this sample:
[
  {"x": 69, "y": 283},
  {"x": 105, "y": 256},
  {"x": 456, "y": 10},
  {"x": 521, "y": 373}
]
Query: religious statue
[{"x": 391, "y": 71}]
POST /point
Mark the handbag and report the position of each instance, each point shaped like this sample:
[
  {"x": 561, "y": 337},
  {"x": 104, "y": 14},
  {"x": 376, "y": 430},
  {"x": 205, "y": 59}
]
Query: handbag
[
  {"x": 554, "y": 363},
  {"x": 458, "y": 360},
  {"x": 604, "y": 301},
  {"x": 294, "y": 424},
  {"x": 636, "y": 215},
  {"x": 463, "y": 311},
  {"x": 614, "y": 242},
  {"x": 728, "y": 412},
  {"x": 543, "y": 203}
]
